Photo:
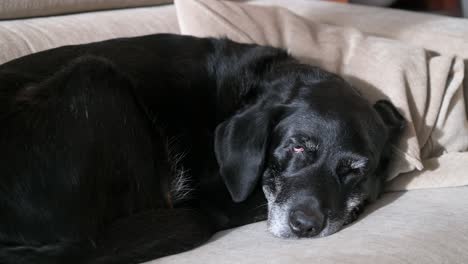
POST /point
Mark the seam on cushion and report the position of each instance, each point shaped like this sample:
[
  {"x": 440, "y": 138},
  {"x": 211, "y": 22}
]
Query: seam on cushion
[
  {"x": 43, "y": 33},
  {"x": 255, "y": 23},
  {"x": 221, "y": 19},
  {"x": 19, "y": 37}
]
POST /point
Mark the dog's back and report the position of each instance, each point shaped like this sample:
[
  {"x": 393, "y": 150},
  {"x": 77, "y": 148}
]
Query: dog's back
[{"x": 79, "y": 149}]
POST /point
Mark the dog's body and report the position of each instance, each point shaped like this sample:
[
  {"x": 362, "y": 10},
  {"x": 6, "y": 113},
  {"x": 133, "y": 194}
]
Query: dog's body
[{"x": 130, "y": 149}]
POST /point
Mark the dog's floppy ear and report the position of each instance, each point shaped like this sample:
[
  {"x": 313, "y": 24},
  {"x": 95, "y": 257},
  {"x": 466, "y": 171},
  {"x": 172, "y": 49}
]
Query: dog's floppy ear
[
  {"x": 240, "y": 146},
  {"x": 395, "y": 123},
  {"x": 391, "y": 117}
]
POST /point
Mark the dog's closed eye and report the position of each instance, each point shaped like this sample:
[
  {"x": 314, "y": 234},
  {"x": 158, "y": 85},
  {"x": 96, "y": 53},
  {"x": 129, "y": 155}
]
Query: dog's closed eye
[
  {"x": 303, "y": 145},
  {"x": 354, "y": 167}
]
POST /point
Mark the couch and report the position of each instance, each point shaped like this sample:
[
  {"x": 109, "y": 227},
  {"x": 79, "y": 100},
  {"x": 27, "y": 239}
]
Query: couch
[{"x": 421, "y": 225}]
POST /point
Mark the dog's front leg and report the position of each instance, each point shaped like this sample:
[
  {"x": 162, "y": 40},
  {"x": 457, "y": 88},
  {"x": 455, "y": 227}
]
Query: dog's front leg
[
  {"x": 152, "y": 234},
  {"x": 229, "y": 214}
]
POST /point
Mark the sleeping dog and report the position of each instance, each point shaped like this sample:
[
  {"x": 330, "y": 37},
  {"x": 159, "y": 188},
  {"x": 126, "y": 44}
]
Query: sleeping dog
[{"x": 130, "y": 149}]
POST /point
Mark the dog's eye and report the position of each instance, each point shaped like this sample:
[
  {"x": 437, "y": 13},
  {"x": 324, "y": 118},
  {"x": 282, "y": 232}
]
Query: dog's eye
[
  {"x": 298, "y": 149},
  {"x": 350, "y": 168},
  {"x": 346, "y": 175}
]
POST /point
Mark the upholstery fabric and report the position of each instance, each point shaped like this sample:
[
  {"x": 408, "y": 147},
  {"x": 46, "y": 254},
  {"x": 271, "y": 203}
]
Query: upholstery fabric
[
  {"x": 415, "y": 227},
  {"x": 10, "y": 9},
  {"x": 425, "y": 86},
  {"x": 442, "y": 34},
  {"x": 25, "y": 36}
]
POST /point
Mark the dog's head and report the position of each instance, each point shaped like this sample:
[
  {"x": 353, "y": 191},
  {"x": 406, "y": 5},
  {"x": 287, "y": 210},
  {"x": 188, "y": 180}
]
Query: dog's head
[{"x": 317, "y": 146}]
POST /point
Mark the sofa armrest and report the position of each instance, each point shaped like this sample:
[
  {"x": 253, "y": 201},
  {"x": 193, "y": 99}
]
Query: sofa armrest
[{"x": 12, "y": 9}]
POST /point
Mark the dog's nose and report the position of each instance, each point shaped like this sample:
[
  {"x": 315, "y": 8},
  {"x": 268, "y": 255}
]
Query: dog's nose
[{"x": 306, "y": 222}]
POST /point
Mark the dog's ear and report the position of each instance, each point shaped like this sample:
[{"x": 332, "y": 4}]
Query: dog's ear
[
  {"x": 391, "y": 117},
  {"x": 240, "y": 147},
  {"x": 395, "y": 124}
]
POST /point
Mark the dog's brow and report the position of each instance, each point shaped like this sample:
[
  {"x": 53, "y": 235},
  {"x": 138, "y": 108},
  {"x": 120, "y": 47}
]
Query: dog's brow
[{"x": 359, "y": 163}]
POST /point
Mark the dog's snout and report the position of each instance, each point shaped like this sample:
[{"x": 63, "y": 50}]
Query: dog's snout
[{"x": 306, "y": 222}]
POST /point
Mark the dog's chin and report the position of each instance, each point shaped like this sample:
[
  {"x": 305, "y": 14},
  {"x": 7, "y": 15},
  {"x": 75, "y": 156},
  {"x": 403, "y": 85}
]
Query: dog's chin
[{"x": 278, "y": 221}]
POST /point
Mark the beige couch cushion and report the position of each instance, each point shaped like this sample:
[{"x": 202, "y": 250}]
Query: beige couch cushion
[
  {"x": 443, "y": 34},
  {"x": 415, "y": 227},
  {"x": 426, "y": 87},
  {"x": 10, "y": 9},
  {"x": 25, "y": 36}
]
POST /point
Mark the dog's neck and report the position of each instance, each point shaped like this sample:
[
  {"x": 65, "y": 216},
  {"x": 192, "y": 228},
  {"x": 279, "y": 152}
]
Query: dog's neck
[{"x": 237, "y": 71}]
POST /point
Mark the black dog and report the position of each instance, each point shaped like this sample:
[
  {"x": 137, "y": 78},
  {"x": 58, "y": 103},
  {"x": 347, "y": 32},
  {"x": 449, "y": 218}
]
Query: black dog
[{"x": 131, "y": 149}]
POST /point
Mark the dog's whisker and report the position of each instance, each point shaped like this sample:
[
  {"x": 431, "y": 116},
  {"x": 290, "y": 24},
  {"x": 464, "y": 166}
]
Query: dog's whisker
[{"x": 261, "y": 205}]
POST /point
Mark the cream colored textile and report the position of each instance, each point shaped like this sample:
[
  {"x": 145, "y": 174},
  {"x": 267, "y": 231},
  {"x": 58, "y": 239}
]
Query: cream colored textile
[
  {"x": 10, "y": 9},
  {"x": 442, "y": 34},
  {"x": 426, "y": 87},
  {"x": 415, "y": 227},
  {"x": 25, "y": 36},
  {"x": 447, "y": 170}
]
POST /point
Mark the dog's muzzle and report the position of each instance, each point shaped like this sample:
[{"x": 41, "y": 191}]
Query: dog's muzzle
[{"x": 306, "y": 221}]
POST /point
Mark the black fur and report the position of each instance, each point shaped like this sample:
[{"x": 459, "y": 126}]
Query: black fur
[{"x": 94, "y": 137}]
